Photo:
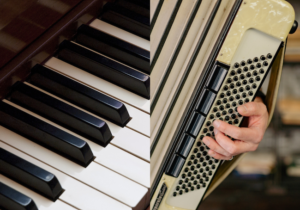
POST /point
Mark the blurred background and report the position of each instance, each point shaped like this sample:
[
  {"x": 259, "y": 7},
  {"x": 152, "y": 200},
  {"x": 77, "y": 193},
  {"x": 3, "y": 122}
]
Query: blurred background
[{"x": 269, "y": 179}]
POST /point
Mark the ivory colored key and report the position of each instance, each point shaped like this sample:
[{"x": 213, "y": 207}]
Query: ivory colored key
[
  {"x": 106, "y": 68},
  {"x": 29, "y": 175},
  {"x": 45, "y": 134},
  {"x": 99, "y": 177},
  {"x": 63, "y": 114},
  {"x": 76, "y": 193},
  {"x": 121, "y": 162},
  {"x": 41, "y": 202},
  {"x": 80, "y": 95},
  {"x": 99, "y": 84},
  {"x": 120, "y": 34},
  {"x": 12, "y": 199},
  {"x": 113, "y": 47}
]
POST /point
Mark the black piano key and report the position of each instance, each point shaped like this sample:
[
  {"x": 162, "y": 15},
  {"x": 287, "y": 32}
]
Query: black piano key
[
  {"x": 61, "y": 113},
  {"x": 142, "y": 3},
  {"x": 105, "y": 68},
  {"x": 195, "y": 124},
  {"x": 10, "y": 199},
  {"x": 175, "y": 165},
  {"x": 113, "y": 47},
  {"x": 45, "y": 134},
  {"x": 205, "y": 101},
  {"x": 139, "y": 7},
  {"x": 80, "y": 95},
  {"x": 127, "y": 20},
  {"x": 185, "y": 145},
  {"x": 29, "y": 175},
  {"x": 217, "y": 77}
]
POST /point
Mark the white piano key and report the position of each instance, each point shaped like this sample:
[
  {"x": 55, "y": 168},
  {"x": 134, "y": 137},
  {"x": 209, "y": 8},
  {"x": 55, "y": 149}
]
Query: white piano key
[
  {"x": 128, "y": 165},
  {"x": 135, "y": 168},
  {"x": 140, "y": 120},
  {"x": 99, "y": 84},
  {"x": 76, "y": 193},
  {"x": 41, "y": 202},
  {"x": 95, "y": 175},
  {"x": 132, "y": 142},
  {"x": 121, "y": 34},
  {"x": 124, "y": 138}
]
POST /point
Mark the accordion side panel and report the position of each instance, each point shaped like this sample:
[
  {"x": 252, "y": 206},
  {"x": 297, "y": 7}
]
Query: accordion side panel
[
  {"x": 163, "y": 18},
  {"x": 190, "y": 84},
  {"x": 184, "y": 56},
  {"x": 171, "y": 42},
  {"x": 262, "y": 16}
]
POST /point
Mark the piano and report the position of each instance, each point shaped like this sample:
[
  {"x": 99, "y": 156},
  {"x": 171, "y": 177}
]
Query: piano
[{"x": 75, "y": 109}]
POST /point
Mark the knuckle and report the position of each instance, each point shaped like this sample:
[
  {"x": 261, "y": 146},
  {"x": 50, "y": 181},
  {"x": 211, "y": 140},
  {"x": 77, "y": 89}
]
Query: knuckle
[
  {"x": 251, "y": 106},
  {"x": 239, "y": 134},
  {"x": 222, "y": 127},
  {"x": 232, "y": 150}
]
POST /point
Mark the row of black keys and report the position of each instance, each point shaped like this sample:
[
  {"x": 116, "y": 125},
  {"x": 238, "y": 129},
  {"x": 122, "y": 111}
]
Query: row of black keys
[
  {"x": 104, "y": 67},
  {"x": 62, "y": 113},
  {"x": 29, "y": 175},
  {"x": 68, "y": 116},
  {"x": 195, "y": 123},
  {"x": 130, "y": 15},
  {"x": 65, "y": 115},
  {"x": 37, "y": 179}
]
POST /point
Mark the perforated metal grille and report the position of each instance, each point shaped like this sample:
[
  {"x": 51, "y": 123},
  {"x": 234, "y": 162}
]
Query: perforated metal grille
[{"x": 239, "y": 87}]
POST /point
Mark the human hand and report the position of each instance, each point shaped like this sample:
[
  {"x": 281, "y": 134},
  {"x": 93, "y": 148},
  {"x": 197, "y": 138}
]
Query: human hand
[{"x": 247, "y": 138}]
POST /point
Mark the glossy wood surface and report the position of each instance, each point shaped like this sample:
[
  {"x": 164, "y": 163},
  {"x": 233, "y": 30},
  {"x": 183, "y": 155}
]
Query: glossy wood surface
[
  {"x": 46, "y": 24},
  {"x": 21, "y": 22}
]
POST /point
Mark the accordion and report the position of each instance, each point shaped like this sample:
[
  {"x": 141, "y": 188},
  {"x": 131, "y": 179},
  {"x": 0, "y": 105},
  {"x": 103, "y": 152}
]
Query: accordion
[{"x": 207, "y": 58}]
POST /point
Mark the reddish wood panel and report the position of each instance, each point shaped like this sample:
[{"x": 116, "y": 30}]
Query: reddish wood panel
[
  {"x": 21, "y": 22},
  {"x": 18, "y": 68}
]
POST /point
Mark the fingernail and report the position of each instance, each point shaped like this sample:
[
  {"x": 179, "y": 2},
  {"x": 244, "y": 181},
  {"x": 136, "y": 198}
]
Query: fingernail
[
  {"x": 206, "y": 141},
  {"x": 216, "y": 131},
  {"x": 243, "y": 109},
  {"x": 211, "y": 153},
  {"x": 217, "y": 123}
]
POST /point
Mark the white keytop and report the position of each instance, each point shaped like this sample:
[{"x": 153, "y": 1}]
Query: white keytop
[
  {"x": 110, "y": 156},
  {"x": 95, "y": 175},
  {"x": 75, "y": 193}
]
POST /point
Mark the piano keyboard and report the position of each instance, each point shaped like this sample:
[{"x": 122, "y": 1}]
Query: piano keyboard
[{"x": 76, "y": 133}]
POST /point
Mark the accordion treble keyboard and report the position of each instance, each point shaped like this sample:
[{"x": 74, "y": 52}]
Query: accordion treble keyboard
[{"x": 88, "y": 131}]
